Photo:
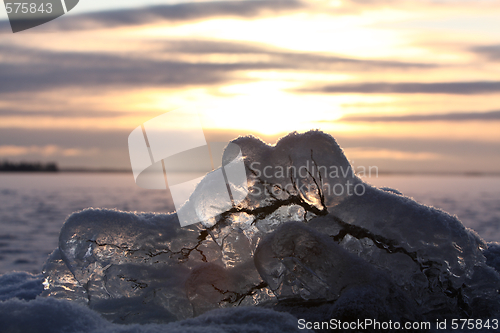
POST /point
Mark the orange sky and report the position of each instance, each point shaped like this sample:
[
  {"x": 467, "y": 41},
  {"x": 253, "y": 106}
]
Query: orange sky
[{"x": 407, "y": 85}]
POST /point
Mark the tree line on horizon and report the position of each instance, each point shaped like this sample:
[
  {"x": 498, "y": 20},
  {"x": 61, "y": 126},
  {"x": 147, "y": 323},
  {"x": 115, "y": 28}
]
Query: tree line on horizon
[{"x": 28, "y": 166}]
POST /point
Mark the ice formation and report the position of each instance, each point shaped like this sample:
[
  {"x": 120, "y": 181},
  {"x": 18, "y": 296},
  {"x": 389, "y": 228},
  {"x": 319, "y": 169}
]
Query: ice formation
[{"x": 310, "y": 238}]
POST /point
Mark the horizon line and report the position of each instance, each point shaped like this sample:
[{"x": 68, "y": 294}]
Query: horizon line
[{"x": 383, "y": 172}]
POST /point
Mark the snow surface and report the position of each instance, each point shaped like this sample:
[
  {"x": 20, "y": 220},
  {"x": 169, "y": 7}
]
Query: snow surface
[
  {"x": 293, "y": 245},
  {"x": 50, "y": 315},
  {"x": 34, "y": 206}
]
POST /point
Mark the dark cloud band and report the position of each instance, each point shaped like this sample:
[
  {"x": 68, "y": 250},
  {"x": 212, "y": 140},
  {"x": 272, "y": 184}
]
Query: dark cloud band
[
  {"x": 72, "y": 113},
  {"x": 459, "y": 88},
  {"x": 491, "y": 52},
  {"x": 455, "y": 116}
]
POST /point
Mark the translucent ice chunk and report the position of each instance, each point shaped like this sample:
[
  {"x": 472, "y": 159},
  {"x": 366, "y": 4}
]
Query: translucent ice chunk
[
  {"x": 137, "y": 267},
  {"x": 310, "y": 234},
  {"x": 300, "y": 263},
  {"x": 59, "y": 282},
  {"x": 129, "y": 263}
]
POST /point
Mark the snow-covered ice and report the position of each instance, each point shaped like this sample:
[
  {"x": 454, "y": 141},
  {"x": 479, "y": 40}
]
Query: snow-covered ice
[{"x": 311, "y": 239}]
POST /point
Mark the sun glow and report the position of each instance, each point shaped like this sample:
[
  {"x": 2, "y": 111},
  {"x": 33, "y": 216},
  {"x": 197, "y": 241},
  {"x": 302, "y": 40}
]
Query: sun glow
[{"x": 266, "y": 108}]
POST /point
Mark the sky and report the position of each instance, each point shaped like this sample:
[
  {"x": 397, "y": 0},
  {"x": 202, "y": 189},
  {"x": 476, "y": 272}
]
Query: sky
[{"x": 407, "y": 86}]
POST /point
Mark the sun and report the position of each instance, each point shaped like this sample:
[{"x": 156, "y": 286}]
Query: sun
[{"x": 265, "y": 107}]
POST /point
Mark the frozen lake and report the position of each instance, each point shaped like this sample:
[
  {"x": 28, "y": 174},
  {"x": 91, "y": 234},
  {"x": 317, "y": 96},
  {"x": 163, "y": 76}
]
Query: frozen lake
[{"x": 33, "y": 207}]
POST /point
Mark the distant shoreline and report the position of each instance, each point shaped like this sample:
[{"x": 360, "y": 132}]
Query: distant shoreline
[
  {"x": 68, "y": 171},
  {"x": 438, "y": 173},
  {"x": 103, "y": 170},
  {"x": 7, "y": 166}
]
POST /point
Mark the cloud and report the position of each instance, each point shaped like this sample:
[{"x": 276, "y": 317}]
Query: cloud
[
  {"x": 176, "y": 13},
  {"x": 362, "y": 152},
  {"x": 491, "y": 52},
  {"x": 421, "y": 155},
  {"x": 48, "y": 70},
  {"x": 25, "y": 69},
  {"x": 456, "y": 154},
  {"x": 98, "y": 148},
  {"x": 48, "y": 150},
  {"x": 459, "y": 88},
  {"x": 65, "y": 139},
  {"x": 455, "y": 116},
  {"x": 72, "y": 113},
  {"x": 452, "y": 147},
  {"x": 286, "y": 58}
]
